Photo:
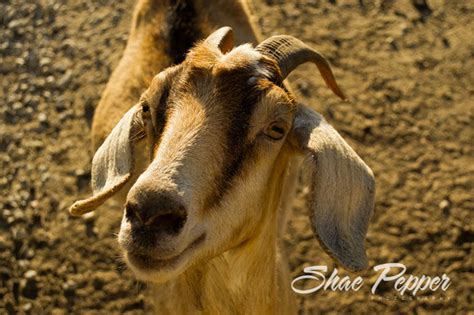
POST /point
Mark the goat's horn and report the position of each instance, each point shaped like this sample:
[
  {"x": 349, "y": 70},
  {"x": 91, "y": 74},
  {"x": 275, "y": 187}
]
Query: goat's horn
[
  {"x": 289, "y": 52},
  {"x": 222, "y": 38}
]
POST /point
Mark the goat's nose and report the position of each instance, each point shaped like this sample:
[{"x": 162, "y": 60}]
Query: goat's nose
[{"x": 160, "y": 212}]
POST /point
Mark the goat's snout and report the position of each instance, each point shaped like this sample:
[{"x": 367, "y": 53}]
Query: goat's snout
[{"x": 161, "y": 212}]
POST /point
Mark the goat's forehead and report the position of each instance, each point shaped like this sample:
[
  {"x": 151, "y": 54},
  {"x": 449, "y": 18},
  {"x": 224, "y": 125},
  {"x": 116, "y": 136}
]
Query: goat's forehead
[
  {"x": 208, "y": 60},
  {"x": 206, "y": 57},
  {"x": 245, "y": 54},
  {"x": 207, "y": 76}
]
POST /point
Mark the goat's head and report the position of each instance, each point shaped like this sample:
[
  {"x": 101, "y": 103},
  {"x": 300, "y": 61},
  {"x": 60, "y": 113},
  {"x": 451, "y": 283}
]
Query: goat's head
[{"x": 221, "y": 129}]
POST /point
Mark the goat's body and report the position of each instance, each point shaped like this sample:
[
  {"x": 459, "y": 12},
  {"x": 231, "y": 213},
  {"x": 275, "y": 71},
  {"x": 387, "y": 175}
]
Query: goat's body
[
  {"x": 152, "y": 46},
  {"x": 207, "y": 199},
  {"x": 253, "y": 276}
]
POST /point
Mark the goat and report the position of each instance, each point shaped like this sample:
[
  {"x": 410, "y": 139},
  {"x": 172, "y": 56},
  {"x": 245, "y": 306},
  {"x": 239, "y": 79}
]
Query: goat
[{"x": 204, "y": 157}]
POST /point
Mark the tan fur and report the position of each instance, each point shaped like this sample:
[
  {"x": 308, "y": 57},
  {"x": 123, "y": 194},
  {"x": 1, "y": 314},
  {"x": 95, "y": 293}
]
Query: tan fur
[
  {"x": 142, "y": 59},
  {"x": 228, "y": 255},
  {"x": 145, "y": 54}
]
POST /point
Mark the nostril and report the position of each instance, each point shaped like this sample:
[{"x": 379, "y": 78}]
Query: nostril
[
  {"x": 158, "y": 212},
  {"x": 132, "y": 215},
  {"x": 170, "y": 223}
]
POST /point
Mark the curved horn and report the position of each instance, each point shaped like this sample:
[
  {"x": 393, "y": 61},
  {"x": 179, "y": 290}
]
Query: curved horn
[
  {"x": 289, "y": 52},
  {"x": 222, "y": 38}
]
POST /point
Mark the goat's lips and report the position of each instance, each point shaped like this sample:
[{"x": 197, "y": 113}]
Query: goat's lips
[{"x": 144, "y": 261}]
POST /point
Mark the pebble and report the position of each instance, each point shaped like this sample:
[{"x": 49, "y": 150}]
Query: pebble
[
  {"x": 17, "y": 106},
  {"x": 444, "y": 205},
  {"x": 18, "y": 214},
  {"x": 20, "y": 61},
  {"x": 42, "y": 118},
  {"x": 65, "y": 80},
  {"x": 69, "y": 288},
  {"x": 27, "y": 307},
  {"x": 45, "y": 61}
]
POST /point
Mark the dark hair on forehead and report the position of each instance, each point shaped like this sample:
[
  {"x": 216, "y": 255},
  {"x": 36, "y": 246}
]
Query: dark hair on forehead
[
  {"x": 236, "y": 94},
  {"x": 239, "y": 101}
]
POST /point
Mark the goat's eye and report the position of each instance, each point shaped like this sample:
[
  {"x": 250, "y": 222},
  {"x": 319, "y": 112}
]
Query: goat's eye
[
  {"x": 145, "y": 110},
  {"x": 276, "y": 130}
]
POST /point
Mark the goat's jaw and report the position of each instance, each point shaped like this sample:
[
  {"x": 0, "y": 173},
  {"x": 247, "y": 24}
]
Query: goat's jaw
[
  {"x": 150, "y": 269},
  {"x": 164, "y": 261}
]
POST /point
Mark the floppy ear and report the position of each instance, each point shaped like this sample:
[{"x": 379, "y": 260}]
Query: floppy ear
[
  {"x": 112, "y": 165},
  {"x": 342, "y": 188}
]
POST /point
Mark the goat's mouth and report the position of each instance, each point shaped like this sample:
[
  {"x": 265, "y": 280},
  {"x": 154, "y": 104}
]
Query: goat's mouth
[{"x": 148, "y": 262}]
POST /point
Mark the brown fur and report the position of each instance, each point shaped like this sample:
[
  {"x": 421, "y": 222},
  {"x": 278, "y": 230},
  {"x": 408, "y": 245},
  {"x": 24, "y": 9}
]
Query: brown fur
[
  {"x": 145, "y": 55},
  {"x": 195, "y": 90},
  {"x": 206, "y": 120},
  {"x": 148, "y": 52}
]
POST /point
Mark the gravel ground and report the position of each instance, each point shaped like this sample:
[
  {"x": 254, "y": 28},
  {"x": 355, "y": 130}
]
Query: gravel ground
[{"x": 407, "y": 68}]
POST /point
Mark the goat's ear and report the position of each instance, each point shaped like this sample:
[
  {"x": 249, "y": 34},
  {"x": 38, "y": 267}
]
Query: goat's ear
[
  {"x": 223, "y": 38},
  {"x": 342, "y": 188},
  {"x": 112, "y": 165}
]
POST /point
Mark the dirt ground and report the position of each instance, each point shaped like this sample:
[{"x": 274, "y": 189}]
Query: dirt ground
[{"x": 408, "y": 70}]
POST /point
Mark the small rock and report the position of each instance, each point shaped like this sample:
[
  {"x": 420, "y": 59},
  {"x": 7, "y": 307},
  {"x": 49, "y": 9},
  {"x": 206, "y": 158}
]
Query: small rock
[
  {"x": 17, "y": 106},
  {"x": 50, "y": 79},
  {"x": 20, "y": 61},
  {"x": 65, "y": 80},
  {"x": 18, "y": 214},
  {"x": 23, "y": 87},
  {"x": 69, "y": 288},
  {"x": 23, "y": 263},
  {"x": 27, "y": 307},
  {"x": 17, "y": 23},
  {"x": 445, "y": 205},
  {"x": 47, "y": 94},
  {"x": 30, "y": 253},
  {"x": 30, "y": 274},
  {"x": 42, "y": 118},
  {"x": 392, "y": 42},
  {"x": 45, "y": 61}
]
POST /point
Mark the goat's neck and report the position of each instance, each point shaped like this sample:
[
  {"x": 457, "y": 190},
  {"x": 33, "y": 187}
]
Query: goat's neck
[
  {"x": 251, "y": 278},
  {"x": 158, "y": 24}
]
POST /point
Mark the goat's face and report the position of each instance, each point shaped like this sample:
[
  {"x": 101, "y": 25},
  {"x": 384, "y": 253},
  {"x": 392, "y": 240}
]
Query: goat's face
[
  {"x": 216, "y": 125},
  {"x": 220, "y": 129}
]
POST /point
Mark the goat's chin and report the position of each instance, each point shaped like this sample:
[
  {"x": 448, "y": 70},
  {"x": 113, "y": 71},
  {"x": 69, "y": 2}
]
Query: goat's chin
[
  {"x": 156, "y": 275},
  {"x": 157, "y": 270}
]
